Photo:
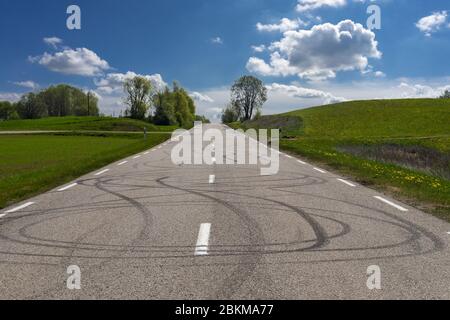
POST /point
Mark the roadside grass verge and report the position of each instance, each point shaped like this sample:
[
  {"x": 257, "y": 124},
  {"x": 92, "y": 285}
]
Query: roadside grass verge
[
  {"x": 83, "y": 123},
  {"x": 32, "y": 164},
  {"x": 415, "y": 186}
]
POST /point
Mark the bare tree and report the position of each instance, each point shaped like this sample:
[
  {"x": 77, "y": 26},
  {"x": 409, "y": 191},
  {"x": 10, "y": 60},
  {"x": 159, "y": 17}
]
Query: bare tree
[{"x": 248, "y": 94}]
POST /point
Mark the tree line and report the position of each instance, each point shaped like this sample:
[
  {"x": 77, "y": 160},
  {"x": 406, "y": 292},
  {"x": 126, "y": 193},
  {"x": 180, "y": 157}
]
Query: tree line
[
  {"x": 55, "y": 101},
  {"x": 167, "y": 107}
]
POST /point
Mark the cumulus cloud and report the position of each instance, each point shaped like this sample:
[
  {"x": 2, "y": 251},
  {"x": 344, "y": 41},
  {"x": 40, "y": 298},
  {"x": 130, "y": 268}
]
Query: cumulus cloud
[
  {"x": 421, "y": 91},
  {"x": 80, "y": 61},
  {"x": 432, "y": 23},
  {"x": 318, "y": 53},
  {"x": 27, "y": 84},
  {"x": 284, "y": 25},
  {"x": 197, "y": 96},
  {"x": 10, "y": 96},
  {"x": 53, "y": 41},
  {"x": 113, "y": 82},
  {"x": 304, "y": 93},
  {"x": 308, "y": 5},
  {"x": 259, "y": 49}
]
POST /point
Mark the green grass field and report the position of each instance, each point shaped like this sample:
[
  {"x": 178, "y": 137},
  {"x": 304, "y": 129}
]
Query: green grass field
[
  {"x": 406, "y": 128},
  {"x": 31, "y": 164},
  {"x": 83, "y": 124}
]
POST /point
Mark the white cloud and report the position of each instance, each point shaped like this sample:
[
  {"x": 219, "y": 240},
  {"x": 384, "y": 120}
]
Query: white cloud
[
  {"x": 259, "y": 49},
  {"x": 197, "y": 96},
  {"x": 284, "y": 25},
  {"x": 27, "y": 84},
  {"x": 81, "y": 61},
  {"x": 421, "y": 91},
  {"x": 303, "y": 93},
  {"x": 432, "y": 23},
  {"x": 53, "y": 41},
  {"x": 113, "y": 82},
  {"x": 308, "y": 5},
  {"x": 10, "y": 96},
  {"x": 320, "y": 52},
  {"x": 217, "y": 40}
]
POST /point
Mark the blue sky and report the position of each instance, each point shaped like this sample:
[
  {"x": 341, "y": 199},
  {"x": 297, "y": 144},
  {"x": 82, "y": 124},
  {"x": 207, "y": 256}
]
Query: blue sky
[{"x": 309, "y": 58}]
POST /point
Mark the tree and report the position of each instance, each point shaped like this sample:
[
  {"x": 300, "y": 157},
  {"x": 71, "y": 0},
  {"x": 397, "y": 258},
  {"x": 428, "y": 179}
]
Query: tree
[
  {"x": 164, "y": 108},
  {"x": 248, "y": 94},
  {"x": 230, "y": 114},
  {"x": 138, "y": 92},
  {"x": 445, "y": 95},
  {"x": 8, "y": 111},
  {"x": 31, "y": 106}
]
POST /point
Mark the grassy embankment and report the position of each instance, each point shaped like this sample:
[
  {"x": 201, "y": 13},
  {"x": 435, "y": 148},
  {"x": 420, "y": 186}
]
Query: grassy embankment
[
  {"x": 31, "y": 164},
  {"x": 398, "y": 146},
  {"x": 83, "y": 124}
]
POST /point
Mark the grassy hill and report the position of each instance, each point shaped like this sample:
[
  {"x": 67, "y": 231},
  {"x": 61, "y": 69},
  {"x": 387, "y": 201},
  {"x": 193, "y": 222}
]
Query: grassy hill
[
  {"x": 398, "y": 146},
  {"x": 82, "y": 124},
  {"x": 378, "y": 118}
]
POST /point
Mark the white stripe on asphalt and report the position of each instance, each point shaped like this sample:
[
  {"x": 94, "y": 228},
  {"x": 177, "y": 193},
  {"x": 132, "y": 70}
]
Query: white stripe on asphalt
[
  {"x": 213, "y": 160},
  {"x": 347, "y": 183},
  {"x": 146, "y": 153},
  {"x": 288, "y": 156},
  {"x": 391, "y": 203},
  {"x": 320, "y": 170},
  {"x": 2, "y": 215},
  {"x": 101, "y": 172},
  {"x": 136, "y": 157},
  {"x": 67, "y": 187},
  {"x": 301, "y": 162},
  {"x": 20, "y": 207},
  {"x": 203, "y": 240},
  {"x": 212, "y": 179},
  {"x": 122, "y": 163}
]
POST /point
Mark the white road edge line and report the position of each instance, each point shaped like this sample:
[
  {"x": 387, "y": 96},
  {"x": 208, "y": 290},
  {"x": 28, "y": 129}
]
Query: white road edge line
[
  {"x": 136, "y": 157},
  {"x": 146, "y": 153},
  {"x": 20, "y": 207},
  {"x": 122, "y": 163},
  {"x": 288, "y": 156},
  {"x": 101, "y": 172},
  {"x": 391, "y": 203},
  {"x": 203, "y": 240},
  {"x": 212, "y": 179},
  {"x": 67, "y": 187},
  {"x": 320, "y": 170},
  {"x": 2, "y": 215},
  {"x": 347, "y": 183},
  {"x": 301, "y": 162}
]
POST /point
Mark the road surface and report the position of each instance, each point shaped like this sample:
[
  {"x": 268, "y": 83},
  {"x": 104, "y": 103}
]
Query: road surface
[{"x": 145, "y": 228}]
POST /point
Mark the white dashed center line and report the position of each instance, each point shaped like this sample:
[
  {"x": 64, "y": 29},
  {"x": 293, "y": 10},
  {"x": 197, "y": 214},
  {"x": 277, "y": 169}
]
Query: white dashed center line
[
  {"x": 212, "y": 179},
  {"x": 146, "y": 153},
  {"x": 102, "y": 172},
  {"x": 67, "y": 187},
  {"x": 122, "y": 163},
  {"x": 203, "y": 240},
  {"x": 347, "y": 183},
  {"x": 20, "y": 207},
  {"x": 391, "y": 203},
  {"x": 213, "y": 160},
  {"x": 320, "y": 170},
  {"x": 136, "y": 157}
]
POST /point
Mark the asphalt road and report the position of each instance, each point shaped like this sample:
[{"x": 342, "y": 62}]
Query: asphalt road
[{"x": 151, "y": 229}]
